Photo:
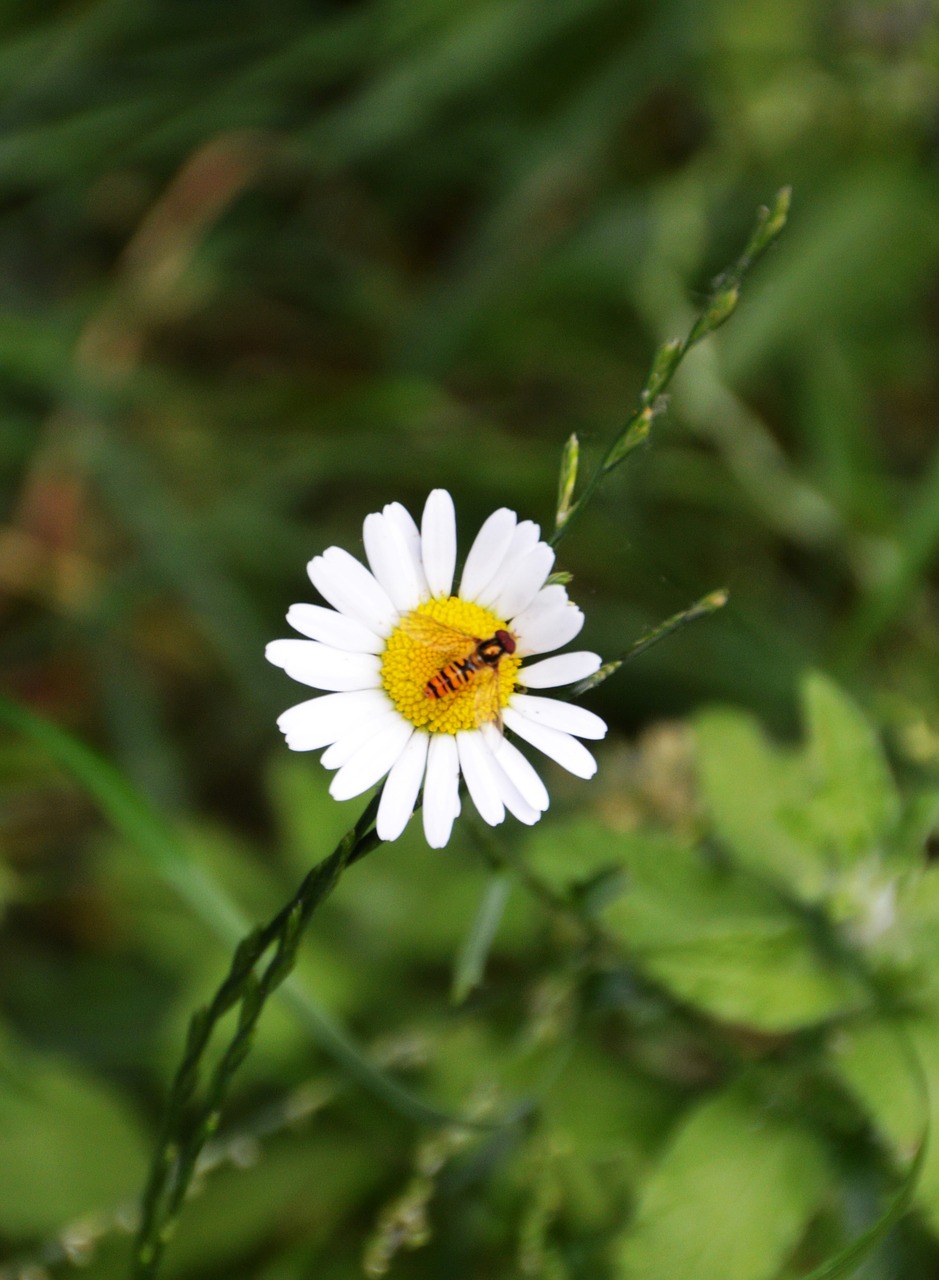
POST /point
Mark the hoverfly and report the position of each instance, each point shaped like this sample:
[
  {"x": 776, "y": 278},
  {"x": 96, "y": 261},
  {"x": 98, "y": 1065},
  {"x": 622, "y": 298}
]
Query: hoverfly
[{"x": 463, "y": 659}]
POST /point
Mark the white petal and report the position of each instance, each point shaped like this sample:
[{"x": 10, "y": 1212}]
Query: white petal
[
  {"x": 559, "y": 715},
  {"x": 404, "y": 521},
  {"x": 547, "y": 629},
  {"x": 438, "y": 542},
  {"x": 330, "y": 627},
  {"x": 527, "y": 535},
  {"x": 441, "y": 789},
  {"x": 353, "y": 736},
  {"x": 522, "y": 775},
  {"x": 563, "y": 668},
  {"x": 560, "y": 747},
  {"x": 323, "y": 667},
  {"x": 487, "y": 552},
  {"x": 320, "y": 721},
  {"x": 478, "y": 768},
  {"x": 349, "y": 587},
  {"x": 552, "y": 597},
  {"x": 372, "y": 761},
  {"x": 513, "y": 800},
  {"x": 390, "y": 561},
  {"x": 523, "y": 581},
  {"x": 399, "y": 795},
  {"x": 524, "y": 539}
]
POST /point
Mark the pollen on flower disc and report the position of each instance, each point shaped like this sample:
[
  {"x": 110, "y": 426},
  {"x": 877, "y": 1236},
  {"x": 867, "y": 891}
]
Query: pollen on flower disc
[{"x": 410, "y": 661}]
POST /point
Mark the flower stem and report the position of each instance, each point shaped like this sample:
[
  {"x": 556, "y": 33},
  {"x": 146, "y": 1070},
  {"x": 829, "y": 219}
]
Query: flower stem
[
  {"x": 189, "y": 1121},
  {"x": 720, "y": 305},
  {"x": 702, "y": 608}
]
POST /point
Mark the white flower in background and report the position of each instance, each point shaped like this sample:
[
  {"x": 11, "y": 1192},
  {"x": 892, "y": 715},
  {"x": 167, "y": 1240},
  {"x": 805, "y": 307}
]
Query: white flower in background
[{"x": 421, "y": 680}]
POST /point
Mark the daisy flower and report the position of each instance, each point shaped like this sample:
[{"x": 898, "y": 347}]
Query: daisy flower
[{"x": 420, "y": 680}]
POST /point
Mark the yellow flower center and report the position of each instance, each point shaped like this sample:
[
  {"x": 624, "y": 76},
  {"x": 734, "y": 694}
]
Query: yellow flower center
[{"x": 430, "y": 641}]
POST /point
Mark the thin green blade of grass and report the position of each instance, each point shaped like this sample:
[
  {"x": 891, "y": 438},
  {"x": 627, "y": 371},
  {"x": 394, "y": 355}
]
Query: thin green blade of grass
[
  {"x": 849, "y": 1259},
  {"x": 471, "y": 961}
]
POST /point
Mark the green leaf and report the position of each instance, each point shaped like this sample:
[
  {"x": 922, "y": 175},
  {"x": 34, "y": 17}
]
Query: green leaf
[
  {"x": 572, "y": 852},
  {"x": 913, "y": 943},
  {"x": 918, "y": 821},
  {"x": 756, "y": 796},
  {"x": 724, "y": 943},
  {"x": 609, "y": 1111},
  {"x": 893, "y": 1070},
  {"x": 729, "y": 1199},
  {"x": 799, "y": 817},
  {"x": 854, "y": 803}
]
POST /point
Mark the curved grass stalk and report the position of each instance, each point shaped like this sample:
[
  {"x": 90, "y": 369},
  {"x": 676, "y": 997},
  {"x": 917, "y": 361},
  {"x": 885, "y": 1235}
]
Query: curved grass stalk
[
  {"x": 720, "y": 305},
  {"x": 250, "y": 982}
]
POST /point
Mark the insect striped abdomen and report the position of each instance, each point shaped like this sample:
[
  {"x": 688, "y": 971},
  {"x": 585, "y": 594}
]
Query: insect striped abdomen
[{"x": 455, "y": 675}]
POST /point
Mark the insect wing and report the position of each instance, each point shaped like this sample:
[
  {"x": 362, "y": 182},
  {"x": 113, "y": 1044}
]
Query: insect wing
[
  {"x": 447, "y": 643},
  {"x": 488, "y": 707}
]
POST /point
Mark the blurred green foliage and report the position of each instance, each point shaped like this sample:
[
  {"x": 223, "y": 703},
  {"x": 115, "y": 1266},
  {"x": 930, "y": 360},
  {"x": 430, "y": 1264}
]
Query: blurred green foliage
[{"x": 265, "y": 268}]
